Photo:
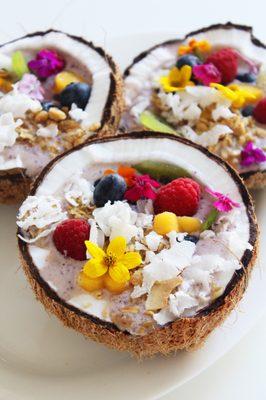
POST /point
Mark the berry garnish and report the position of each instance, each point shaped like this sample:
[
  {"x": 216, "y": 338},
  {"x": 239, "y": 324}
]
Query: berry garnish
[
  {"x": 180, "y": 196},
  {"x": 190, "y": 60},
  {"x": 226, "y": 61},
  {"x": 78, "y": 93},
  {"x": 259, "y": 112},
  {"x": 191, "y": 238},
  {"x": 69, "y": 237},
  {"x": 247, "y": 77},
  {"x": 110, "y": 188},
  {"x": 46, "y": 105},
  {"x": 247, "y": 111}
]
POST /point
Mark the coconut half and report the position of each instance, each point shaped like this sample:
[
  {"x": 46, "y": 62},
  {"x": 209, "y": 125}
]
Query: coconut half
[
  {"x": 187, "y": 112},
  {"x": 22, "y": 158},
  {"x": 141, "y": 320}
]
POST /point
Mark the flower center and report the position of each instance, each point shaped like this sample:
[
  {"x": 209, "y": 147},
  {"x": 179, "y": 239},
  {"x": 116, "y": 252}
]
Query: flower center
[{"x": 109, "y": 260}]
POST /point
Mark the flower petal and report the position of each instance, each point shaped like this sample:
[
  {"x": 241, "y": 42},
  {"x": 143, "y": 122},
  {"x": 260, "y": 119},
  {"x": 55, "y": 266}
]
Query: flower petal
[
  {"x": 119, "y": 273},
  {"x": 94, "y": 268},
  {"x": 94, "y": 250},
  {"x": 117, "y": 247},
  {"x": 131, "y": 259}
]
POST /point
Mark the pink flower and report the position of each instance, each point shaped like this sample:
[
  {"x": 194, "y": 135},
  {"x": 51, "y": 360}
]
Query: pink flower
[
  {"x": 223, "y": 203},
  {"x": 206, "y": 74},
  {"x": 46, "y": 63},
  {"x": 30, "y": 85},
  {"x": 142, "y": 187},
  {"x": 252, "y": 155}
]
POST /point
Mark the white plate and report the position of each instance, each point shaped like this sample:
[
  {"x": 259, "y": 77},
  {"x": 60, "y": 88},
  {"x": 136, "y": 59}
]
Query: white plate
[{"x": 40, "y": 359}]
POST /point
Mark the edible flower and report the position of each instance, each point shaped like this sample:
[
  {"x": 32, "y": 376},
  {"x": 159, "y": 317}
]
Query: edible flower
[
  {"x": 194, "y": 46},
  {"x": 31, "y": 86},
  {"x": 252, "y": 155},
  {"x": 115, "y": 262},
  {"x": 143, "y": 187},
  {"x": 207, "y": 73},
  {"x": 177, "y": 79},
  {"x": 239, "y": 95},
  {"x": 223, "y": 203},
  {"x": 46, "y": 63},
  {"x": 125, "y": 171}
]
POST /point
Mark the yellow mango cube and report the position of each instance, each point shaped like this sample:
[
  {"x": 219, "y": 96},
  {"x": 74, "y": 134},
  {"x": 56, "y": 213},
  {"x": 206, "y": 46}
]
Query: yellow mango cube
[
  {"x": 63, "y": 79},
  {"x": 165, "y": 222},
  {"x": 189, "y": 224}
]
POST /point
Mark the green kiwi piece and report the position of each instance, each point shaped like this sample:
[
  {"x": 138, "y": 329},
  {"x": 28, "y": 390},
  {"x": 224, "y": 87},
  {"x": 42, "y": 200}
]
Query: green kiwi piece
[{"x": 162, "y": 172}]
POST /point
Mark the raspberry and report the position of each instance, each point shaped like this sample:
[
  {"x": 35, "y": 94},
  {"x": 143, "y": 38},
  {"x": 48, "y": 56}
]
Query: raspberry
[
  {"x": 181, "y": 196},
  {"x": 69, "y": 237},
  {"x": 259, "y": 112},
  {"x": 225, "y": 60}
]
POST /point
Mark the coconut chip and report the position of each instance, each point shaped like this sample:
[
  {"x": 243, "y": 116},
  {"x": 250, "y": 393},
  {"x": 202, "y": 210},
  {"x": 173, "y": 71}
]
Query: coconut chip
[{"x": 159, "y": 294}]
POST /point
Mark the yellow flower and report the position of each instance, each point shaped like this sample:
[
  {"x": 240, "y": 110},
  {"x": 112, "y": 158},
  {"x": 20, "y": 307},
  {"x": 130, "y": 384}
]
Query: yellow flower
[
  {"x": 114, "y": 264},
  {"x": 239, "y": 95},
  {"x": 202, "y": 46},
  {"x": 177, "y": 79}
]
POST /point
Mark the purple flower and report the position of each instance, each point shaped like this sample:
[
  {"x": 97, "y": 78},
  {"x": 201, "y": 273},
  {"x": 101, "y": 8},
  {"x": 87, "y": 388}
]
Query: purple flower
[
  {"x": 252, "y": 155},
  {"x": 46, "y": 63},
  {"x": 31, "y": 86},
  {"x": 142, "y": 187},
  {"x": 206, "y": 74},
  {"x": 223, "y": 203}
]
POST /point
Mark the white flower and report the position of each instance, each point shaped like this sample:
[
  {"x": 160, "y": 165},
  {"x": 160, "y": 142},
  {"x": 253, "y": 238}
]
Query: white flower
[
  {"x": 8, "y": 134},
  {"x": 47, "y": 131},
  {"x": 18, "y": 103},
  {"x": 41, "y": 212}
]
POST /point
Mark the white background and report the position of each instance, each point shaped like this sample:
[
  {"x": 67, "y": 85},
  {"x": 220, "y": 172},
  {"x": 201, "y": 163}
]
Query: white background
[{"x": 241, "y": 373}]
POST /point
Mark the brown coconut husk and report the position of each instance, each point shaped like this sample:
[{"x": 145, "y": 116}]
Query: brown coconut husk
[
  {"x": 255, "y": 179},
  {"x": 15, "y": 184},
  {"x": 183, "y": 333}
]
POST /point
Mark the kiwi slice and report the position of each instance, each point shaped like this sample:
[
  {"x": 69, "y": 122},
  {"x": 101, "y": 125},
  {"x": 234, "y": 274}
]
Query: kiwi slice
[
  {"x": 162, "y": 172},
  {"x": 210, "y": 219},
  {"x": 19, "y": 64},
  {"x": 152, "y": 122}
]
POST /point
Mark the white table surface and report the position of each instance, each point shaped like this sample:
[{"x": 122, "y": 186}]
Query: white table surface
[{"x": 241, "y": 372}]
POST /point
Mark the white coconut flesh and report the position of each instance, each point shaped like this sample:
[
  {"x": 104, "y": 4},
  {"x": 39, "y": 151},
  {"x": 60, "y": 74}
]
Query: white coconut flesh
[
  {"x": 142, "y": 79},
  {"x": 80, "y": 58},
  {"x": 209, "y": 264}
]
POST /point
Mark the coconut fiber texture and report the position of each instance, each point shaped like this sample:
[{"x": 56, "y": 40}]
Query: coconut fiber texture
[{"x": 183, "y": 333}]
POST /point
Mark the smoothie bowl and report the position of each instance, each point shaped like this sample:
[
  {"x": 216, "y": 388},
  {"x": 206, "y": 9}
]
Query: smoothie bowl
[
  {"x": 143, "y": 242},
  {"x": 209, "y": 87},
  {"x": 56, "y": 91}
]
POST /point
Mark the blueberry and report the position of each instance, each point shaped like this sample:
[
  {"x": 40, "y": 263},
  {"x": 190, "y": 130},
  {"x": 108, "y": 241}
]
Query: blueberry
[
  {"x": 188, "y": 60},
  {"x": 110, "y": 187},
  {"x": 246, "y": 77},
  {"x": 247, "y": 111},
  {"x": 78, "y": 93},
  {"x": 191, "y": 238},
  {"x": 47, "y": 104},
  {"x": 96, "y": 182}
]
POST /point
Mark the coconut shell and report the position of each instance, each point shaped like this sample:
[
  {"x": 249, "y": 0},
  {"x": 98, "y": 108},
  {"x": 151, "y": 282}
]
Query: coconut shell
[
  {"x": 255, "y": 179},
  {"x": 183, "y": 333},
  {"x": 14, "y": 187}
]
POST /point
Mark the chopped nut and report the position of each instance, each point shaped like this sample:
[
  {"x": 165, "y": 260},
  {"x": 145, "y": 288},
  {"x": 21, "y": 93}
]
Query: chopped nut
[
  {"x": 130, "y": 309},
  {"x": 41, "y": 116},
  {"x": 56, "y": 115},
  {"x": 68, "y": 125}
]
